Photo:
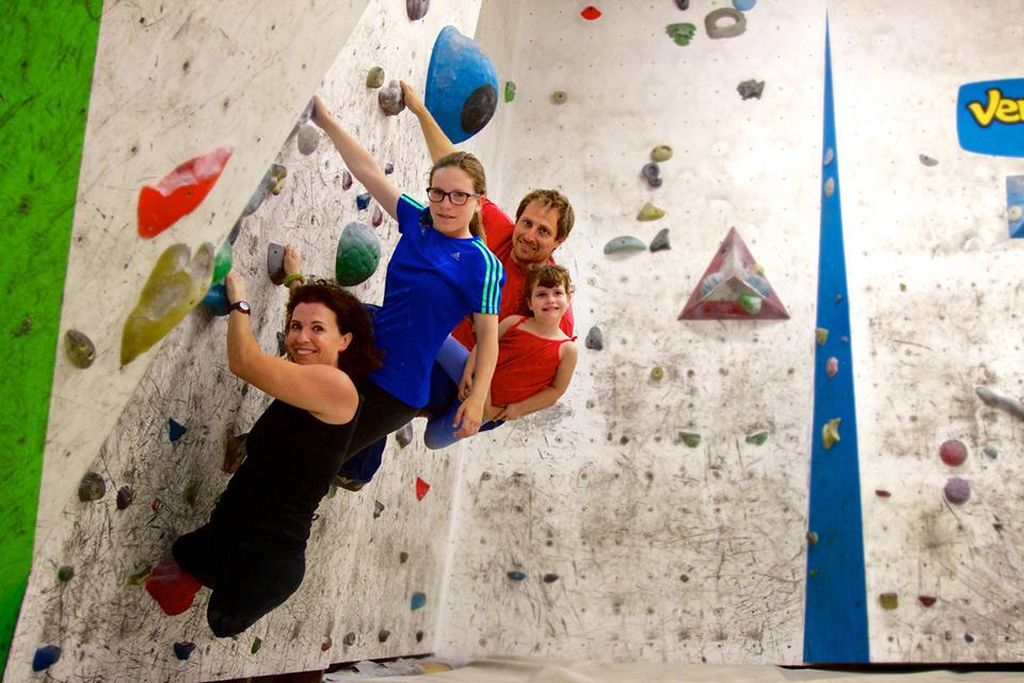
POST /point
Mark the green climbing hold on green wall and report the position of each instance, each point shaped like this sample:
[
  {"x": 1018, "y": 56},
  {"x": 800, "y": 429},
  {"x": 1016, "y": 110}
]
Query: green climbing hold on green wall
[
  {"x": 222, "y": 263},
  {"x": 358, "y": 254}
]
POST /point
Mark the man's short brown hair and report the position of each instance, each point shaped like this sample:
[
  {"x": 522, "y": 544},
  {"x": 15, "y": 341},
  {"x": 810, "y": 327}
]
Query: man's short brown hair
[{"x": 555, "y": 200}]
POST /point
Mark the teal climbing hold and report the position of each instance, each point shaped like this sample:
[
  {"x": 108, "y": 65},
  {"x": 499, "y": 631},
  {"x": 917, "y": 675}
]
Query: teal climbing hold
[
  {"x": 758, "y": 438},
  {"x": 418, "y": 600},
  {"x": 624, "y": 243},
  {"x": 516, "y": 575},
  {"x": 462, "y": 87},
  {"x": 358, "y": 254},
  {"x": 175, "y": 430}
]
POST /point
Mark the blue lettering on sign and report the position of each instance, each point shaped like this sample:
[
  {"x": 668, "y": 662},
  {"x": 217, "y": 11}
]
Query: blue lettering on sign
[{"x": 990, "y": 117}]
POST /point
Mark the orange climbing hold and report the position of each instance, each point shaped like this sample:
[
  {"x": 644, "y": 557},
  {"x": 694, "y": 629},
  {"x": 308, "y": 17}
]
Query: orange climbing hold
[
  {"x": 179, "y": 192},
  {"x": 421, "y": 488},
  {"x": 590, "y": 13}
]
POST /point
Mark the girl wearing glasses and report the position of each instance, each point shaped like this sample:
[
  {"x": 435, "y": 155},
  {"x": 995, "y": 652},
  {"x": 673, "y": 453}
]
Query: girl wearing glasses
[{"x": 440, "y": 272}]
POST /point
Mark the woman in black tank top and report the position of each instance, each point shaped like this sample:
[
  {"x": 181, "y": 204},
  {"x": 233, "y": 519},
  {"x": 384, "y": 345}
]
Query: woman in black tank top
[{"x": 252, "y": 551}]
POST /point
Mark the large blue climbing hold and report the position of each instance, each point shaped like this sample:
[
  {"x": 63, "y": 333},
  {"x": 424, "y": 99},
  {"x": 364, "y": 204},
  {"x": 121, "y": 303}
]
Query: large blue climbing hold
[
  {"x": 216, "y": 300},
  {"x": 45, "y": 657},
  {"x": 462, "y": 87}
]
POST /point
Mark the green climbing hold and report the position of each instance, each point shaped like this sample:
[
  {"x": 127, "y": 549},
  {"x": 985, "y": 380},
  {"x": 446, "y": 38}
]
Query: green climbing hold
[
  {"x": 92, "y": 487},
  {"x": 139, "y": 577},
  {"x": 358, "y": 254},
  {"x": 65, "y": 573},
  {"x": 256, "y": 645},
  {"x": 176, "y": 285},
  {"x": 751, "y": 303},
  {"x": 649, "y": 212},
  {"x": 624, "y": 243},
  {"x": 691, "y": 439},
  {"x": 661, "y": 153},
  {"x": 375, "y": 77},
  {"x": 222, "y": 263},
  {"x": 758, "y": 438},
  {"x": 681, "y": 34},
  {"x": 79, "y": 348},
  {"x": 510, "y": 91},
  {"x": 559, "y": 97}
]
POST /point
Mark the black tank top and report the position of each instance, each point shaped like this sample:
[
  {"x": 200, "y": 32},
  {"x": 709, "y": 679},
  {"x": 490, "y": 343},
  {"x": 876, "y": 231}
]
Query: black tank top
[{"x": 270, "y": 501}]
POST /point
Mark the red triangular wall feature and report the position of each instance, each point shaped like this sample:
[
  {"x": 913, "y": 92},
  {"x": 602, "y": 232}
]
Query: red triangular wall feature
[{"x": 733, "y": 288}]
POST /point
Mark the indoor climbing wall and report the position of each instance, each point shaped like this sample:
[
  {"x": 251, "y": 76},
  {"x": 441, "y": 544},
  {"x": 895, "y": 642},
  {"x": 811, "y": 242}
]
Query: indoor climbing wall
[
  {"x": 935, "y": 307},
  {"x": 136, "y": 447},
  {"x": 658, "y": 511}
]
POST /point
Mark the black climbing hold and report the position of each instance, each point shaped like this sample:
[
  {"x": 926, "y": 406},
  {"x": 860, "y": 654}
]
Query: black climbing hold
[
  {"x": 516, "y": 575},
  {"x": 652, "y": 173},
  {"x": 416, "y": 9},
  {"x": 184, "y": 649},
  {"x": 45, "y": 657},
  {"x": 550, "y": 578},
  {"x": 419, "y": 636},
  {"x": 660, "y": 241},
  {"x": 125, "y": 496},
  {"x": 92, "y": 487},
  {"x": 275, "y": 263},
  {"x": 595, "y": 340},
  {"x": 683, "y": 4},
  {"x": 478, "y": 108},
  {"x": 175, "y": 430},
  {"x": 391, "y": 99},
  {"x": 234, "y": 453},
  {"x": 236, "y": 230},
  {"x": 65, "y": 573},
  {"x": 403, "y": 556},
  {"x": 363, "y": 201},
  {"x": 750, "y": 88},
  {"x": 383, "y": 635},
  {"x": 404, "y": 435},
  {"x": 378, "y": 508},
  {"x": 79, "y": 348},
  {"x": 350, "y": 639},
  {"x": 389, "y": 168}
]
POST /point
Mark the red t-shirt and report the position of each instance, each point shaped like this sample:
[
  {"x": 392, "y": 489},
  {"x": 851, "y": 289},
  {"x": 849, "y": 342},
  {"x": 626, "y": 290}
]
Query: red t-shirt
[
  {"x": 526, "y": 365},
  {"x": 498, "y": 233}
]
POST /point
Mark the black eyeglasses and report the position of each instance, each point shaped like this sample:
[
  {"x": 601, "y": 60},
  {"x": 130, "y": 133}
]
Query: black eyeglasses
[{"x": 457, "y": 197}]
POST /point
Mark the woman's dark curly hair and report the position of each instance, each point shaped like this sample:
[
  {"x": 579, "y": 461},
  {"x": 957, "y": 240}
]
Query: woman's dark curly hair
[{"x": 362, "y": 356}]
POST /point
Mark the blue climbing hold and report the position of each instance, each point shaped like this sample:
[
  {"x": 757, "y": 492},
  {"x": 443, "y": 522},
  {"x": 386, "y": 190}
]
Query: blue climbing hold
[
  {"x": 363, "y": 201},
  {"x": 462, "y": 87},
  {"x": 744, "y": 5},
  {"x": 184, "y": 650},
  {"x": 45, "y": 657},
  {"x": 216, "y": 300},
  {"x": 174, "y": 430},
  {"x": 418, "y": 600},
  {"x": 517, "y": 575}
]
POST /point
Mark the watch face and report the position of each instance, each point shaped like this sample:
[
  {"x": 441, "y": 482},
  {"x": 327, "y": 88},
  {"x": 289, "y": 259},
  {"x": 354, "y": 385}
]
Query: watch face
[{"x": 241, "y": 306}]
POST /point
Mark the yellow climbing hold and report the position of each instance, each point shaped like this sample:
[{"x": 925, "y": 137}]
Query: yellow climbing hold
[
  {"x": 830, "y": 433},
  {"x": 650, "y": 212},
  {"x": 177, "y": 283},
  {"x": 821, "y": 335}
]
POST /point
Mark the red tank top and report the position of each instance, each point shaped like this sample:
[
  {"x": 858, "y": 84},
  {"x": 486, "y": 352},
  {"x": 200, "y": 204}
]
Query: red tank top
[{"x": 526, "y": 364}]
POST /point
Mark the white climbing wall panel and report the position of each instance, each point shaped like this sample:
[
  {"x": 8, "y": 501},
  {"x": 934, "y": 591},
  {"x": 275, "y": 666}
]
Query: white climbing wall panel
[
  {"x": 661, "y": 551},
  {"x": 250, "y": 72},
  {"x": 935, "y": 305}
]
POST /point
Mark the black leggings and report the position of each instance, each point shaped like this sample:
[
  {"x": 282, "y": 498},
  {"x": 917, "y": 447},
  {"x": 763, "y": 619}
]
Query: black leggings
[
  {"x": 246, "y": 584},
  {"x": 379, "y": 415}
]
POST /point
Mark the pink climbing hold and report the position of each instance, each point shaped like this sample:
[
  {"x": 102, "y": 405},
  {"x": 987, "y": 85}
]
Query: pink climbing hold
[
  {"x": 590, "y": 13},
  {"x": 953, "y": 452},
  {"x": 832, "y": 367},
  {"x": 421, "y": 488},
  {"x": 172, "y": 587},
  {"x": 179, "y": 192}
]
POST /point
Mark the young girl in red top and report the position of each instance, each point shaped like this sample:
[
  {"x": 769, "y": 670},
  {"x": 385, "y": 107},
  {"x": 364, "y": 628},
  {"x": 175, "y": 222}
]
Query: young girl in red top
[{"x": 535, "y": 359}]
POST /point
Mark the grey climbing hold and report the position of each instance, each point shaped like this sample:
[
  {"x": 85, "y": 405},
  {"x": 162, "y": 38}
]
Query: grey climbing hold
[
  {"x": 735, "y": 23},
  {"x": 416, "y": 9},
  {"x": 830, "y": 186},
  {"x": 378, "y": 509},
  {"x": 404, "y": 435},
  {"x": 92, "y": 487},
  {"x": 275, "y": 263},
  {"x": 383, "y": 635},
  {"x": 661, "y": 153},
  {"x": 757, "y": 438},
  {"x": 649, "y": 212},
  {"x": 375, "y": 77},
  {"x": 516, "y": 575},
  {"x": 683, "y": 4},
  {"x": 403, "y": 556},
  {"x": 927, "y": 160},
  {"x": 346, "y": 180},
  {"x": 595, "y": 340},
  {"x": 79, "y": 348},
  {"x": 559, "y": 97},
  {"x": 997, "y": 400},
  {"x": 624, "y": 243},
  {"x": 307, "y": 140},
  {"x": 660, "y": 241},
  {"x": 750, "y": 88},
  {"x": 349, "y": 639},
  {"x": 391, "y": 99},
  {"x": 652, "y": 173},
  {"x": 827, "y": 158},
  {"x": 990, "y": 452}
]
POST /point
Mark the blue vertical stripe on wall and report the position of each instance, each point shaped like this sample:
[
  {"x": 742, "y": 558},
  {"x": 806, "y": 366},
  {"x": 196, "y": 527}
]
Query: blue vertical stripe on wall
[{"x": 835, "y": 619}]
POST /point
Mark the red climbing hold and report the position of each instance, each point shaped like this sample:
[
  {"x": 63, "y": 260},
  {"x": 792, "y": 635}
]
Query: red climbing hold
[
  {"x": 882, "y": 493},
  {"x": 926, "y": 600},
  {"x": 172, "y": 587},
  {"x": 179, "y": 192},
  {"x": 421, "y": 488},
  {"x": 953, "y": 452},
  {"x": 590, "y": 13}
]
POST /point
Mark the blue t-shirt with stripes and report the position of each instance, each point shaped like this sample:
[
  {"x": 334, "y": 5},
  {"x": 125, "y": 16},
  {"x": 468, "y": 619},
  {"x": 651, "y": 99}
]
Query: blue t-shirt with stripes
[{"x": 433, "y": 282}]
